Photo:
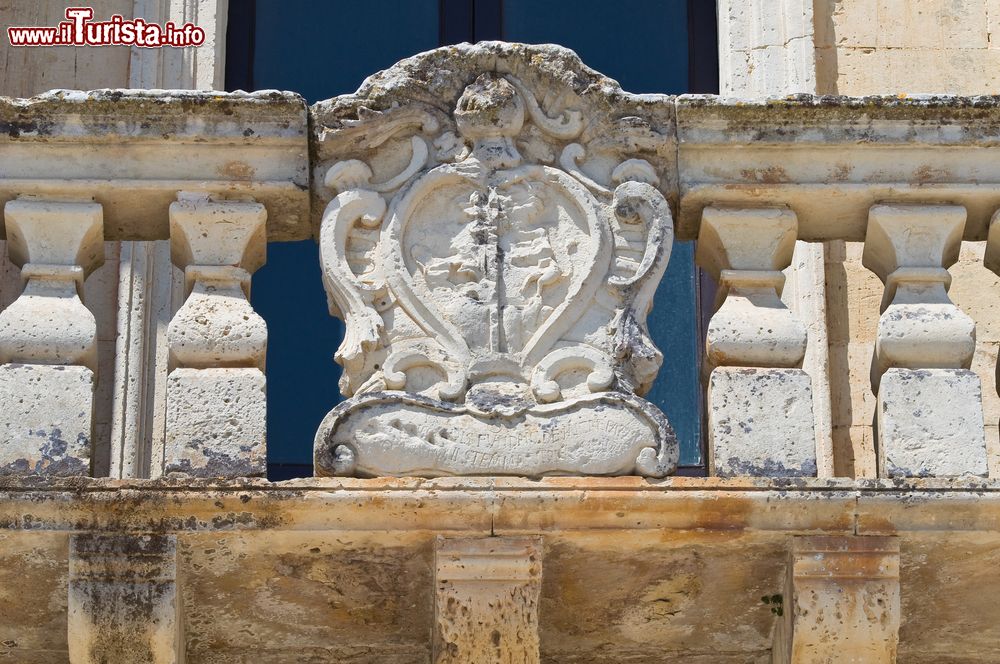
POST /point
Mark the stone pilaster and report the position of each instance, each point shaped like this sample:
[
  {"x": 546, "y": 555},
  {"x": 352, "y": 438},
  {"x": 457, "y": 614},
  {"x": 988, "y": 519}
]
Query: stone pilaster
[
  {"x": 215, "y": 389},
  {"x": 48, "y": 339},
  {"x": 841, "y": 602},
  {"x": 760, "y": 419},
  {"x": 486, "y": 601},
  {"x": 991, "y": 260},
  {"x": 930, "y": 410},
  {"x": 124, "y": 600}
]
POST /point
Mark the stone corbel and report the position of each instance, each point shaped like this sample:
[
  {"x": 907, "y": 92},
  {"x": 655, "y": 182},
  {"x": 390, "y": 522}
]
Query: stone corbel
[
  {"x": 217, "y": 342},
  {"x": 841, "y": 602},
  {"x": 759, "y": 399},
  {"x": 48, "y": 339},
  {"x": 124, "y": 599},
  {"x": 923, "y": 347},
  {"x": 486, "y": 600}
]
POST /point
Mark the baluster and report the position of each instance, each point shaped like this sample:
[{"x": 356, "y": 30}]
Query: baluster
[
  {"x": 760, "y": 419},
  {"x": 929, "y": 412},
  {"x": 48, "y": 339},
  {"x": 216, "y": 388}
]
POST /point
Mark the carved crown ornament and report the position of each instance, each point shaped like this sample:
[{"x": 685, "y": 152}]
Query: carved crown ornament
[{"x": 493, "y": 232}]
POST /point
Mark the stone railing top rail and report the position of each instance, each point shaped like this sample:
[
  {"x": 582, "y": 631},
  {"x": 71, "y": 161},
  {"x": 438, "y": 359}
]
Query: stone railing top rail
[
  {"x": 827, "y": 158},
  {"x": 133, "y": 150},
  {"x": 830, "y": 159}
]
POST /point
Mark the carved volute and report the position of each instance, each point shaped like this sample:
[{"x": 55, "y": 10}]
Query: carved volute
[{"x": 493, "y": 233}]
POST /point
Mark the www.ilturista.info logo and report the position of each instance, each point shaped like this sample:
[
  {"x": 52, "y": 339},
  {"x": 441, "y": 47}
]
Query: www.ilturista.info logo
[{"x": 79, "y": 30}]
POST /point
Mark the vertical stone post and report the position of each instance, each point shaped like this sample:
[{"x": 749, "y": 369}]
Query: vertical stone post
[
  {"x": 215, "y": 390},
  {"x": 48, "y": 339},
  {"x": 929, "y": 410},
  {"x": 841, "y": 602},
  {"x": 760, "y": 420},
  {"x": 124, "y": 600},
  {"x": 991, "y": 260},
  {"x": 486, "y": 601}
]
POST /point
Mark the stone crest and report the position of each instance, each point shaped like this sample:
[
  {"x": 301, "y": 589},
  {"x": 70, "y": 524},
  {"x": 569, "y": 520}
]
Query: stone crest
[{"x": 494, "y": 238}]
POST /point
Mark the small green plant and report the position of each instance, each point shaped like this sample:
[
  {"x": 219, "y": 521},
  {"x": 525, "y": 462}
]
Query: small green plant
[{"x": 776, "y": 602}]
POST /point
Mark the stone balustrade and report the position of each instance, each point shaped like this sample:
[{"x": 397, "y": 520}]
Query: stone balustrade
[
  {"x": 759, "y": 400},
  {"x": 216, "y": 402},
  {"x": 930, "y": 411},
  {"x": 210, "y": 177},
  {"x": 493, "y": 236},
  {"x": 519, "y": 323},
  {"x": 48, "y": 338}
]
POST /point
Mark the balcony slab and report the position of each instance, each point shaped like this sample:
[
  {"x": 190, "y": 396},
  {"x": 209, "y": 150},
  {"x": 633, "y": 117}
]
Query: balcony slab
[{"x": 332, "y": 569}]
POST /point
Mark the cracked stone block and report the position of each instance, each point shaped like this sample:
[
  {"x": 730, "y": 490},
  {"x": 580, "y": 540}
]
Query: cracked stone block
[
  {"x": 760, "y": 423},
  {"x": 216, "y": 423},
  {"x": 930, "y": 424},
  {"x": 46, "y": 419}
]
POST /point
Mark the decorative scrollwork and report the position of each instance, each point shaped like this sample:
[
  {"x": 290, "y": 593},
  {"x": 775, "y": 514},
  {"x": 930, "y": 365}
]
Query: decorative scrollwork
[{"x": 483, "y": 279}]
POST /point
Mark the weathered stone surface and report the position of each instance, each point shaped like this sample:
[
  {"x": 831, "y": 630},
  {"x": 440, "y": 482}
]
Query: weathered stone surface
[
  {"x": 56, "y": 245},
  {"x": 760, "y": 423},
  {"x": 603, "y": 434},
  {"x": 233, "y": 144},
  {"x": 931, "y": 424},
  {"x": 841, "y": 603},
  {"x": 494, "y": 239},
  {"x": 124, "y": 600},
  {"x": 930, "y": 415},
  {"x": 216, "y": 402},
  {"x": 760, "y": 412},
  {"x": 829, "y": 159},
  {"x": 745, "y": 250},
  {"x": 342, "y": 569},
  {"x": 46, "y": 419},
  {"x": 216, "y": 424},
  {"x": 486, "y": 600}
]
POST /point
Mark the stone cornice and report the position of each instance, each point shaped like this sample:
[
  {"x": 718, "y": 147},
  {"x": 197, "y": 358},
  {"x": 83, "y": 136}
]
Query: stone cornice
[
  {"x": 827, "y": 158},
  {"x": 830, "y": 159},
  {"x": 503, "y": 505},
  {"x": 133, "y": 150}
]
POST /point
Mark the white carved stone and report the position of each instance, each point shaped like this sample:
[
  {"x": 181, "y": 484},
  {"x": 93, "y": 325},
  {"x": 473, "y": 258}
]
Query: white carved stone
[
  {"x": 930, "y": 421},
  {"x": 216, "y": 423},
  {"x": 841, "y": 602},
  {"x": 486, "y": 600},
  {"x": 48, "y": 338},
  {"x": 760, "y": 413},
  {"x": 493, "y": 237},
  {"x": 124, "y": 600},
  {"x": 215, "y": 392},
  {"x": 761, "y": 423}
]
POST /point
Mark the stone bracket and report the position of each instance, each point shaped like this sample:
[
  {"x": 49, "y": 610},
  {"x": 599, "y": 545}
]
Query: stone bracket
[
  {"x": 216, "y": 400},
  {"x": 841, "y": 601},
  {"x": 486, "y": 600},
  {"x": 124, "y": 599}
]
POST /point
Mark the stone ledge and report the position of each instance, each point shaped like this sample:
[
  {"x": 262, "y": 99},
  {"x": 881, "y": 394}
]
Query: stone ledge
[
  {"x": 133, "y": 150},
  {"x": 634, "y": 570},
  {"x": 503, "y": 505}
]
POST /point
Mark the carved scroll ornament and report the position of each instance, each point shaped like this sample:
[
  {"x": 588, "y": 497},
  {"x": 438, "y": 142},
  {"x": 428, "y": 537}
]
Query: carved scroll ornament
[{"x": 493, "y": 242}]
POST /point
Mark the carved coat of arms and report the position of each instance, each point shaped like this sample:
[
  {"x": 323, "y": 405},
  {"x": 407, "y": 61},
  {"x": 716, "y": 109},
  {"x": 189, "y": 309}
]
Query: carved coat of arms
[{"x": 493, "y": 243}]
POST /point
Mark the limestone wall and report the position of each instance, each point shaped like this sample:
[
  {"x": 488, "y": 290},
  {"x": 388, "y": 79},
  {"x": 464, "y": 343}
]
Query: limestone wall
[
  {"x": 866, "y": 47},
  {"x": 28, "y": 71},
  {"x": 871, "y": 47}
]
